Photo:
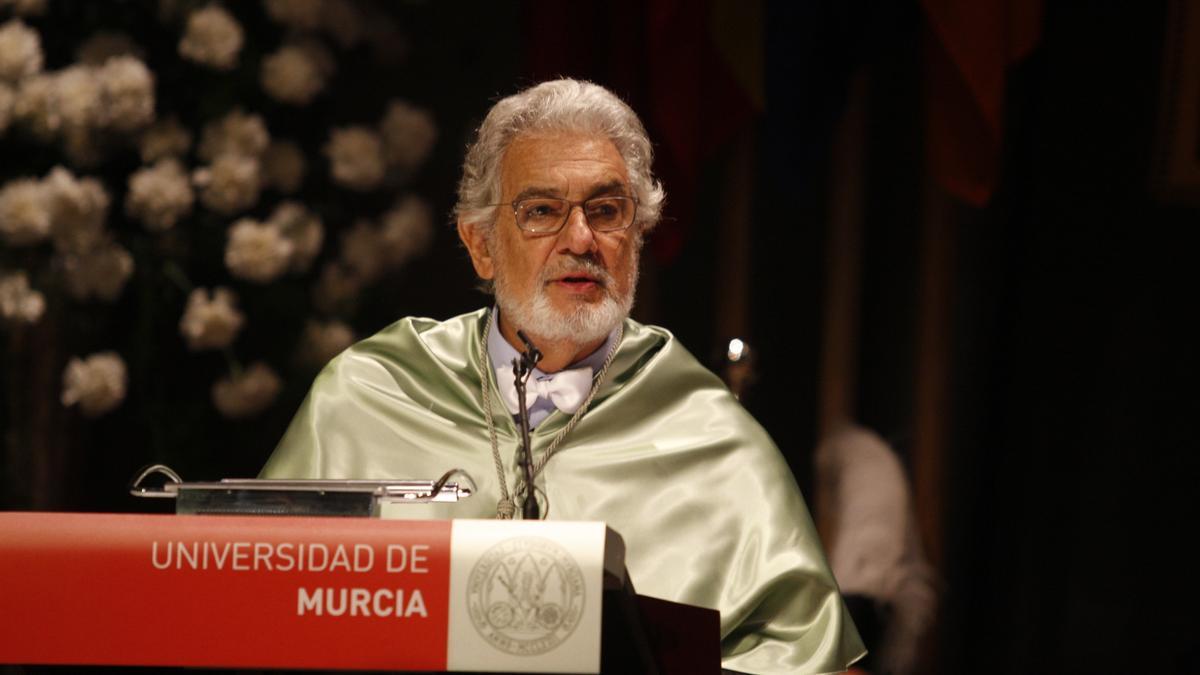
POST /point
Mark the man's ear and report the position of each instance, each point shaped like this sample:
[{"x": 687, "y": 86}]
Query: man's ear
[{"x": 476, "y": 241}]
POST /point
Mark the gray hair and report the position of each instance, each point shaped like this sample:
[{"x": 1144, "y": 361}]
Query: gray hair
[{"x": 557, "y": 105}]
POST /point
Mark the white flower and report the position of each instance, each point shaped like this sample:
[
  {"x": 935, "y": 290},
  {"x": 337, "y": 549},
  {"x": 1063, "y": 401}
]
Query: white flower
[
  {"x": 212, "y": 38},
  {"x": 290, "y": 75},
  {"x": 407, "y": 230},
  {"x": 295, "y": 13},
  {"x": 103, "y": 45},
  {"x": 323, "y": 341},
  {"x": 362, "y": 251},
  {"x": 247, "y": 393},
  {"x": 24, "y": 212},
  {"x": 211, "y": 321},
  {"x": 283, "y": 166},
  {"x": 409, "y": 134},
  {"x": 303, "y": 228},
  {"x": 344, "y": 22},
  {"x": 20, "y": 51},
  {"x": 100, "y": 272},
  {"x": 159, "y": 195},
  {"x": 78, "y": 209},
  {"x": 83, "y": 146},
  {"x": 237, "y": 133},
  {"x": 25, "y": 7},
  {"x": 318, "y": 53},
  {"x": 128, "y": 93},
  {"x": 79, "y": 93},
  {"x": 257, "y": 251},
  {"x": 336, "y": 289},
  {"x": 7, "y": 98},
  {"x": 36, "y": 106},
  {"x": 356, "y": 158},
  {"x": 230, "y": 185},
  {"x": 19, "y": 302},
  {"x": 96, "y": 383},
  {"x": 165, "y": 138}
]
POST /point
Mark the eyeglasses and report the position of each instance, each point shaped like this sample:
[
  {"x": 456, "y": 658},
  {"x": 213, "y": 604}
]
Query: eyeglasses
[{"x": 548, "y": 215}]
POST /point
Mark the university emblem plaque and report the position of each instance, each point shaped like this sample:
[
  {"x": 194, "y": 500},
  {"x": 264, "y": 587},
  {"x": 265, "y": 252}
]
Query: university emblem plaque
[{"x": 526, "y": 595}]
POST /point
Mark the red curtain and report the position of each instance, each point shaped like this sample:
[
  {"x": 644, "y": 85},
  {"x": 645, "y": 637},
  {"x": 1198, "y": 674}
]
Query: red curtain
[
  {"x": 671, "y": 60},
  {"x": 968, "y": 49}
]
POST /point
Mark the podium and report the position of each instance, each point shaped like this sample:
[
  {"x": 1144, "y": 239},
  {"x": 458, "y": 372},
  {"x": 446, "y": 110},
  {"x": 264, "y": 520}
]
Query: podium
[{"x": 335, "y": 593}]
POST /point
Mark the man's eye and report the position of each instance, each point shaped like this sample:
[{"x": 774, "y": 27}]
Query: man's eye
[
  {"x": 605, "y": 209},
  {"x": 541, "y": 210}
]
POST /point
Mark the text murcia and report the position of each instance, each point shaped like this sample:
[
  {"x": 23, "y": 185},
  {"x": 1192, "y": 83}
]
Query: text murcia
[{"x": 360, "y": 602}]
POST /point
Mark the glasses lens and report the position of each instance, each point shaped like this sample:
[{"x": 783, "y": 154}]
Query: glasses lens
[
  {"x": 541, "y": 215},
  {"x": 609, "y": 213},
  {"x": 548, "y": 214}
]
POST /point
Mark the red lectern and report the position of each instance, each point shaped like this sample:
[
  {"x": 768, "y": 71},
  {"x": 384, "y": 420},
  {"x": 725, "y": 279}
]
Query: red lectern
[{"x": 334, "y": 593}]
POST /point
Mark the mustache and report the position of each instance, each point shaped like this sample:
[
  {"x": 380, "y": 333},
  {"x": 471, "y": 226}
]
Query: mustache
[{"x": 572, "y": 264}]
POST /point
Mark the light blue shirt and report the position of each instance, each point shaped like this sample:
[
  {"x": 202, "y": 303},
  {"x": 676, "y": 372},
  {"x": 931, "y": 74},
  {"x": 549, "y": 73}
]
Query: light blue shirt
[{"x": 502, "y": 354}]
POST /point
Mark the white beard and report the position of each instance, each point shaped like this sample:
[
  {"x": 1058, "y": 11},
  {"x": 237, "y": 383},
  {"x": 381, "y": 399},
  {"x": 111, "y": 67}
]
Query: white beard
[{"x": 582, "y": 324}]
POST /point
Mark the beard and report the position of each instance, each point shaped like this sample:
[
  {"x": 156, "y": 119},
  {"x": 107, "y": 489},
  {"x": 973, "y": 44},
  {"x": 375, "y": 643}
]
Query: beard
[{"x": 584, "y": 322}]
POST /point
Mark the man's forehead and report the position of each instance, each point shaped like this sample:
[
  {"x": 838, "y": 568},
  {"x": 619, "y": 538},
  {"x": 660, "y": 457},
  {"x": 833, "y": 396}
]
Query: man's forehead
[{"x": 559, "y": 162}]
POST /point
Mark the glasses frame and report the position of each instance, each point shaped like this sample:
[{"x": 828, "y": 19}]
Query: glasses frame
[{"x": 572, "y": 205}]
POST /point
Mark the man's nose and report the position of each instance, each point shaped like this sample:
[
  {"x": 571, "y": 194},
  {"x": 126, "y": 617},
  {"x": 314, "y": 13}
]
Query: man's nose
[{"x": 577, "y": 236}]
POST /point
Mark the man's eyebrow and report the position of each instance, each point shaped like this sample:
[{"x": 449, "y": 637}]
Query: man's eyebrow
[
  {"x": 612, "y": 187},
  {"x": 537, "y": 191}
]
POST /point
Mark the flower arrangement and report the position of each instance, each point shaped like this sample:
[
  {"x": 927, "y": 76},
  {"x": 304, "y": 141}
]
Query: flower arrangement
[{"x": 158, "y": 188}]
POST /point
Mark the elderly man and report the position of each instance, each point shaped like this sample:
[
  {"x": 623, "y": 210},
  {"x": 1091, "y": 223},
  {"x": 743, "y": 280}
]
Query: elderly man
[{"x": 627, "y": 427}]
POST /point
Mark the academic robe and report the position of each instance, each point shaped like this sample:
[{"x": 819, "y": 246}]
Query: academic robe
[{"x": 708, "y": 508}]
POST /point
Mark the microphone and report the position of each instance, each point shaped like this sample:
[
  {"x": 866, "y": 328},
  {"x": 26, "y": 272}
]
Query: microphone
[
  {"x": 521, "y": 369},
  {"x": 531, "y": 355}
]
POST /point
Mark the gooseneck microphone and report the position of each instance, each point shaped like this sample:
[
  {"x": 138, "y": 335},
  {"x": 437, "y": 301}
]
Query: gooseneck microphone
[
  {"x": 522, "y": 368},
  {"x": 531, "y": 355}
]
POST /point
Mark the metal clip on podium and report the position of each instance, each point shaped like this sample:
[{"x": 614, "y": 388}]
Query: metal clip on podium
[{"x": 352, "y": 498}]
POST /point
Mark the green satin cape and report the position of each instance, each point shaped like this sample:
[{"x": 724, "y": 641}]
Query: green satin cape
[{"x": 707, "y": 506}]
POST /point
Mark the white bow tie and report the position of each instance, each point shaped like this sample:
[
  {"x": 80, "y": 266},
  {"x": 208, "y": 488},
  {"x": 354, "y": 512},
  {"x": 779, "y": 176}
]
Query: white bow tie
[{"x": 566, "y": 389}]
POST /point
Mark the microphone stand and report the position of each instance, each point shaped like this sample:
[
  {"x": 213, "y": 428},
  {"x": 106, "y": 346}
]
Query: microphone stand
[{"x": 522, "y": 368}]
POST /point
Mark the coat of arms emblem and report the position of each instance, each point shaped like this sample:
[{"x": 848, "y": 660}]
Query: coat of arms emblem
[{"x": 525, "y": 595}]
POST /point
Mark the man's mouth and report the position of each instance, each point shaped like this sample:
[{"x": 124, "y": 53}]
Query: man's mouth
[
  {"x": 578, "y": 276},
  {"x": 579, "y": 282}
]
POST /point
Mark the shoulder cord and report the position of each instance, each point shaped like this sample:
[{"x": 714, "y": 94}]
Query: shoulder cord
[{"x": 505, "y": 508}]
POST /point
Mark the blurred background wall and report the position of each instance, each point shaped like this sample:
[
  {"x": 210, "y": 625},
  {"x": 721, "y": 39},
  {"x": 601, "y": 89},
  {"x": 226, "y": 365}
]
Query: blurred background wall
[{"x": 966, "y": 226}]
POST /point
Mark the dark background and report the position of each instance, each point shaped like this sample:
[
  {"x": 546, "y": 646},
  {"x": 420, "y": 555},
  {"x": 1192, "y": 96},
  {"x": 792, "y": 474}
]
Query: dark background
[{"x": 1065, "y": 357}]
